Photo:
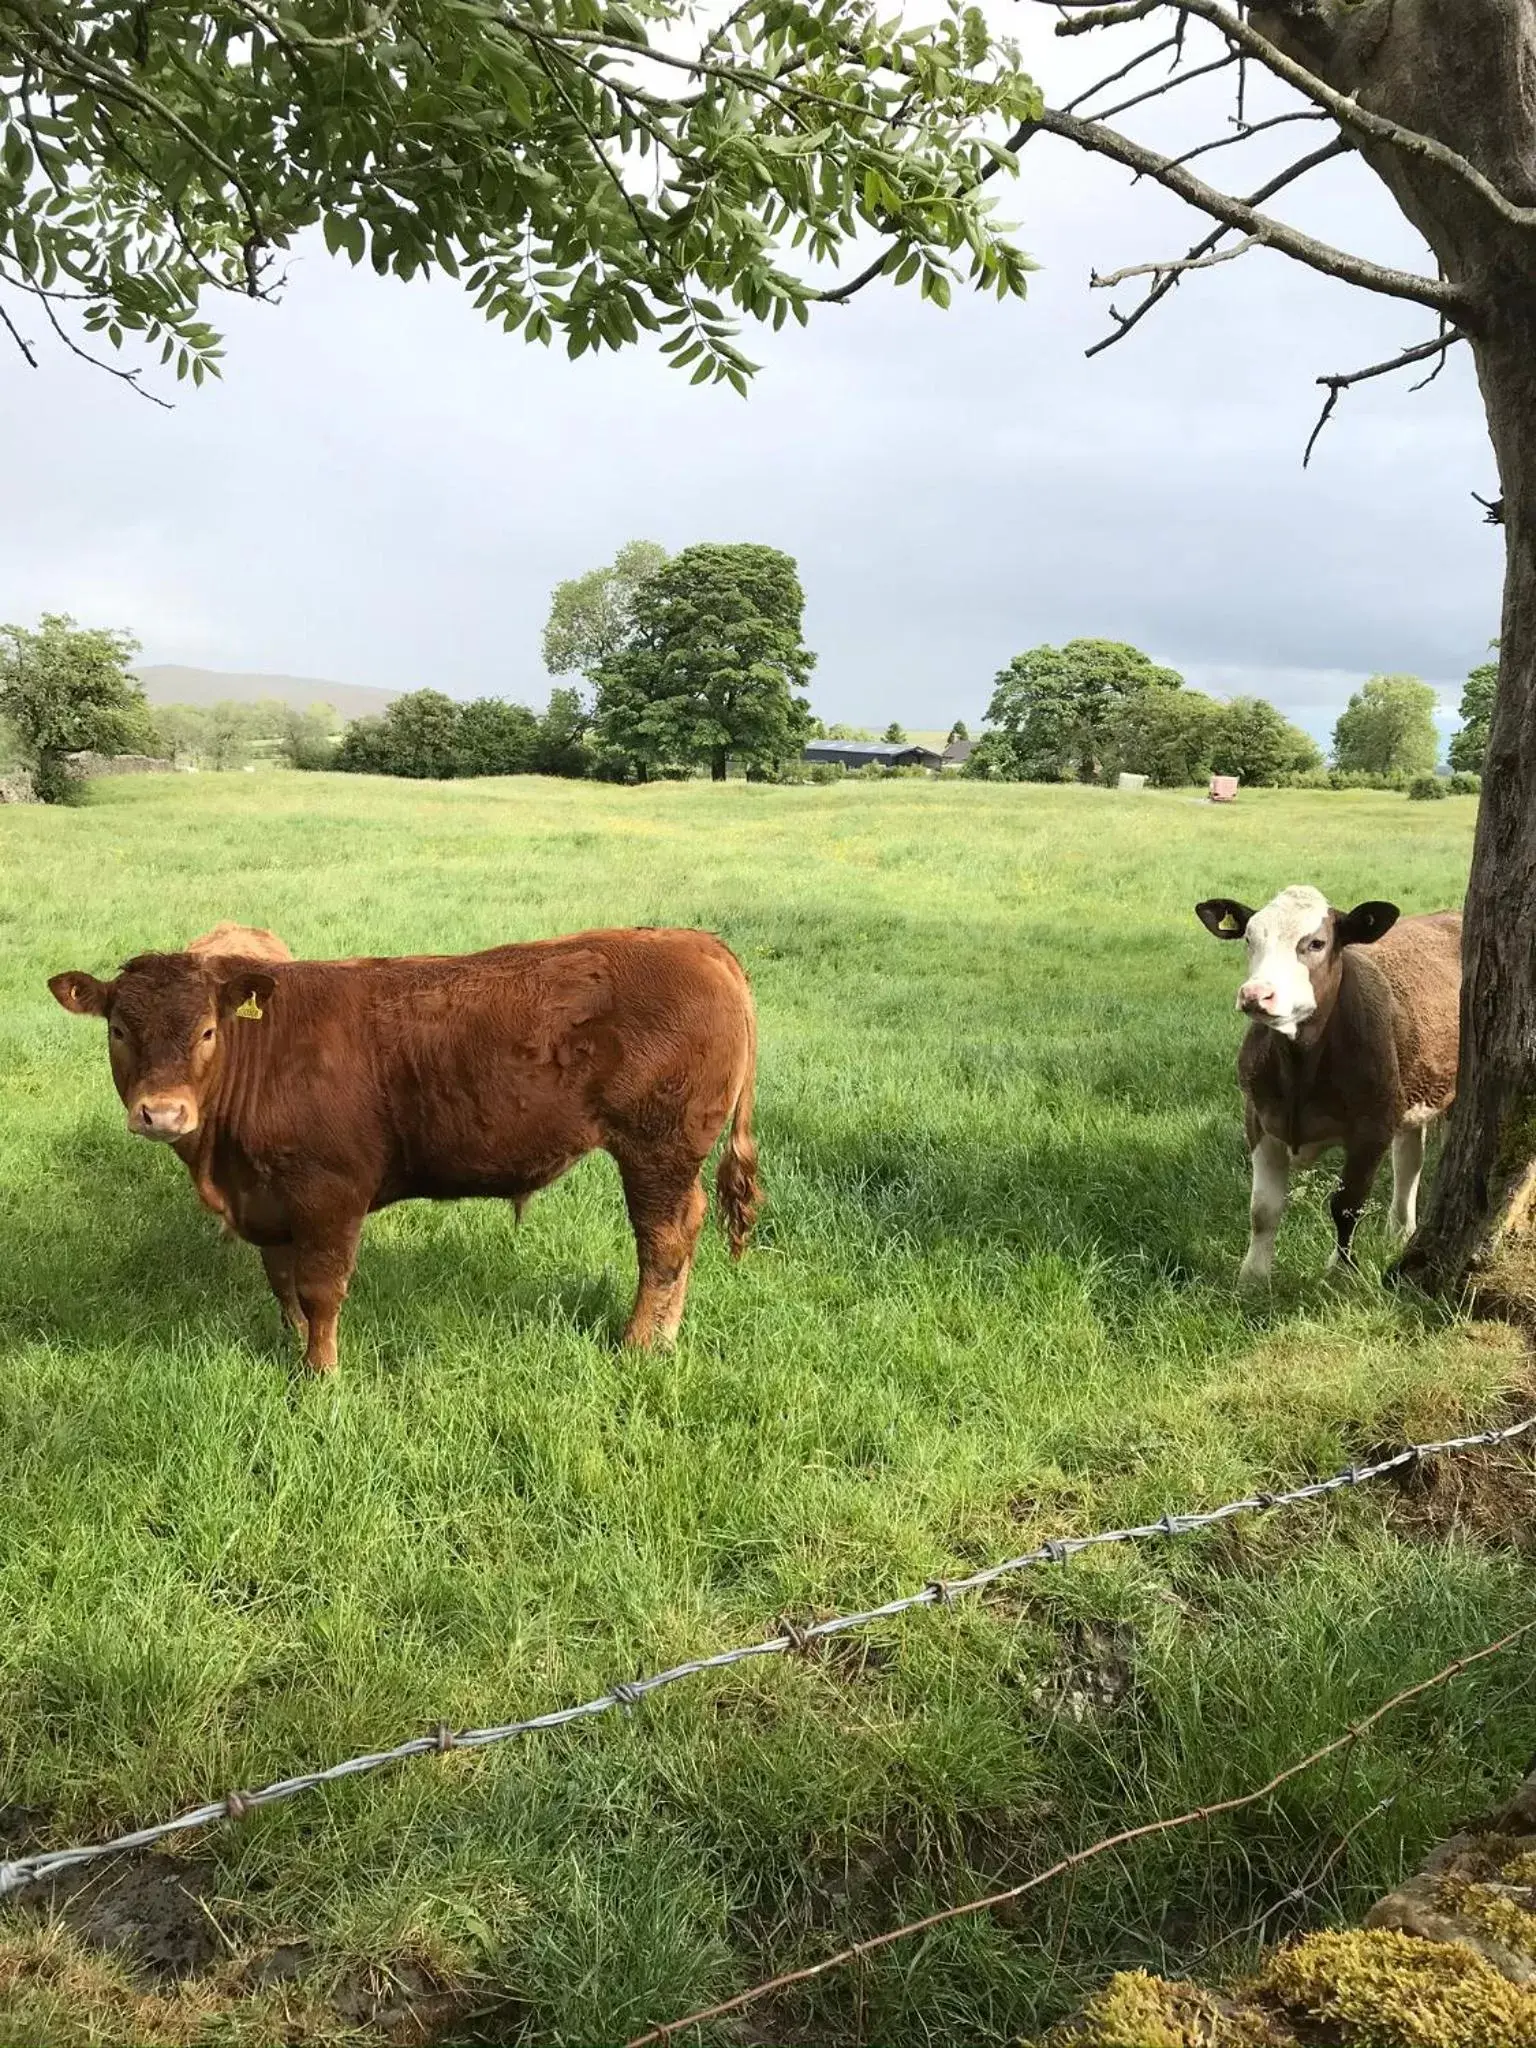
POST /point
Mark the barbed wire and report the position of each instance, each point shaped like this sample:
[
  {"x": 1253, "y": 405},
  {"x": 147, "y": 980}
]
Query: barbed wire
[
  {"x": 969, "y": 1907},
  {"x": 21, "y": 1871}
]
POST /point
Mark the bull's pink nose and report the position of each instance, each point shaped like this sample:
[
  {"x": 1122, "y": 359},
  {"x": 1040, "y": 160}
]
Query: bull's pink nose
[
  {"x": 1256, "y": 997},
  {"x": 160, "y": 1119}
]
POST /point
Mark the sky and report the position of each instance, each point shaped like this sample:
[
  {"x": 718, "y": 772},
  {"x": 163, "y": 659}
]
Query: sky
[{"x": 384, "y": 490}]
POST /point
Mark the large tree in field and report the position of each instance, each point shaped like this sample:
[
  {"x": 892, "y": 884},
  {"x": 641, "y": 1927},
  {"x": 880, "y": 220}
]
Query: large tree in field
[
  {"x": 591, "y": 168},
  {"x": 1469, "y": 745},
  {"x": 591, "y": 617},
  {"x": 65, "y": 687},
  {"x": 714, "y": 666},
  {"x": 1388, "y": 728},
  {"x": 1052, "y": 708}
]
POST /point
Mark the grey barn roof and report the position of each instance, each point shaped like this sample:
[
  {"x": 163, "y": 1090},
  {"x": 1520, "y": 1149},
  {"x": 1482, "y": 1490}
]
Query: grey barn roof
[{"x": 857, "y": 752}]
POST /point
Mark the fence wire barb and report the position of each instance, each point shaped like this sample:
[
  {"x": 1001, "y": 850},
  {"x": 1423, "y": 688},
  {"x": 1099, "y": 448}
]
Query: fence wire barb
[
  {"x": 1196, "y": 1814},
  {"x": 236, "y": 1805}
]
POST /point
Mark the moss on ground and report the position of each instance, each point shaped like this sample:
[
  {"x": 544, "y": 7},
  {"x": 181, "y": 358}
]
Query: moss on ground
[{"x": 1380, "y": 1989}]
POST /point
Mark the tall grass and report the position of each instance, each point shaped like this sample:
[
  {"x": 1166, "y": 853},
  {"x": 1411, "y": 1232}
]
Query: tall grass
[{"x": 991, "y": 1300}]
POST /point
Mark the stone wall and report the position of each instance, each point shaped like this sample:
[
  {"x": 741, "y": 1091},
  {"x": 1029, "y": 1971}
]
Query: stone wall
[
  {"x": 87, "y": 763},
  {"x": 16, "y": 786}
]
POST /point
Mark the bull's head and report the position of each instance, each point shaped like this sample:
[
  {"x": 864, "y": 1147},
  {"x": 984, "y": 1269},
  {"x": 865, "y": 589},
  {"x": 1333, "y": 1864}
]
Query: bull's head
[
  {"x": 1295, "y": 944},
  {"x": 167, "y": 1017}
]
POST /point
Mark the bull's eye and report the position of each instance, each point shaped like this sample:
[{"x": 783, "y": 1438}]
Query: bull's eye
[
  {"x": 207, "y": 1037},
  {"x": 1317, "y": 945},
  {"x": 118, "y": 1034}
]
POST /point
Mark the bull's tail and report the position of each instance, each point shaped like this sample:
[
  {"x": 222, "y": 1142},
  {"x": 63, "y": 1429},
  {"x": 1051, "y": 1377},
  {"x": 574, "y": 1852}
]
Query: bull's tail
[{"x": 736, "y": 1183}]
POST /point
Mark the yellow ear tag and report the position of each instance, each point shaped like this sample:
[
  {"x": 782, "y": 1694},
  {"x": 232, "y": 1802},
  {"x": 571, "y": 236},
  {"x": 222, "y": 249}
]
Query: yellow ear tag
[{"x": 249, "y": 1008}]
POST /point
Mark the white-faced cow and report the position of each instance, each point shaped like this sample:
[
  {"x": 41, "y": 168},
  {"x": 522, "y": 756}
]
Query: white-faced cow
[{"x": 1353, "y": 1042}]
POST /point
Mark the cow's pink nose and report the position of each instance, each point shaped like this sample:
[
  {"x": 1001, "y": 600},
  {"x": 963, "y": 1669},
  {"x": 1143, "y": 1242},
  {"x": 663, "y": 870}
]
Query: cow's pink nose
[
  {"x": 1256, "y": 997},
  {"x": 166, "y": 1116}
]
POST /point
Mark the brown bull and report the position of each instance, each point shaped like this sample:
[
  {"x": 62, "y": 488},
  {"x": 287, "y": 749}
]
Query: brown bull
[
  {"x": 302, "y": 1095},
  {"x": 239, "y": 942}
]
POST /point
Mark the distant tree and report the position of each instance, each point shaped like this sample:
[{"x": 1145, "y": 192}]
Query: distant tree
[
  {"x": 591, "y": 617},
  {"x": 1388, "y": 728},
  {"x": 1051, "y": 706},
  {"x": 849, "y": 732},
  {"x": 496, "y": 738},
  {"x": 894, "y": 736},
  {"x": 562, "y": 746},
  {"x": 1469, "y": 745},
  {"x": 417, "y": 736},
  {"x": 1167, "y": 735},
  {"x": 65, "y": 687},
  {"x": 1252, "y": 741},
  {"x": 713, "y": 667},
  {"x": 958, "y": 731},
  {"x": 308, "y": 737}
]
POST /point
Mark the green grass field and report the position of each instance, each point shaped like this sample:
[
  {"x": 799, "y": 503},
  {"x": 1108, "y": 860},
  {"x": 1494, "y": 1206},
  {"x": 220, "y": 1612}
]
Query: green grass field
[{"x": 991, "y": 1300}]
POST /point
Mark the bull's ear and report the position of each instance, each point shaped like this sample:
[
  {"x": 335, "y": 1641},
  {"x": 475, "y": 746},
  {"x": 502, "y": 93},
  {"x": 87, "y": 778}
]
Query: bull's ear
[
  {"x": 1223, "y": 918},
  {"x": 1363, "y": 925},
  {"x": 245, "y": 994},
  {"x": 82, "y": 993}
]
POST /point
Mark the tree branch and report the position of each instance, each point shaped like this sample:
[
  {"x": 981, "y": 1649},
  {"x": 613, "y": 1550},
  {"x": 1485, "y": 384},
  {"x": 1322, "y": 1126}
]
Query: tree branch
[
  {"x": 1125, "y": 322},
  {"x": 1346, "y": 110},
  {"x": 1409, "y": 356},
  {"x": 1436, "y": 293},
  {"x": 18, "y": 337},
  {"x": 1242, "y": 132},
  {"x": 1174, "y": 265}
]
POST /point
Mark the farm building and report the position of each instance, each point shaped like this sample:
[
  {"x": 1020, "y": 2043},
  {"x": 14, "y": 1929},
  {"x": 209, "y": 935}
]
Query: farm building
[{"x": 881, "y": 753}]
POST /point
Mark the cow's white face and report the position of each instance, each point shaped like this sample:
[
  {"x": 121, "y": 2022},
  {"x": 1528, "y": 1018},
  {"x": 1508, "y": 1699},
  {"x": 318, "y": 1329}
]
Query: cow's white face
[
  {"x": 1288, "y": 940},
  {"x": 1295, "y": 944}
]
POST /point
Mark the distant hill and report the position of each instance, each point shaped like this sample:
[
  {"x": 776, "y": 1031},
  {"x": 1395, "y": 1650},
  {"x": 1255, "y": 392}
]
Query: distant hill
[{"x": 169, "y": 684}]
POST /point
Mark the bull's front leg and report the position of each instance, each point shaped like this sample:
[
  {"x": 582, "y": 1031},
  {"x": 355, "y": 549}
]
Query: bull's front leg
[
  {"x": 322, "y": 1267},
  {"x": 1271, "y": 1185},
  {"x": 1361, "y": 1159}
]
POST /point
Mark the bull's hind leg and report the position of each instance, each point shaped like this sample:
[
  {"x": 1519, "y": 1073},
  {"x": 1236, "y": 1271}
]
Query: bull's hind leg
[
  {"x": 278, "y": 1259},
  {"x": 666, "y": 1203},
  {"x": 322, "y": 1267},
  {"x": 1407, "y": 1166}
]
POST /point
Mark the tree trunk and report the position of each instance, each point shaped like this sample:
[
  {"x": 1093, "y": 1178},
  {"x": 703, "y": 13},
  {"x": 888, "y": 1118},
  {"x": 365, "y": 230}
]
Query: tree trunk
[
  {"x": 718, "y": 761},
  {"x": 1487, "y": 1173}
]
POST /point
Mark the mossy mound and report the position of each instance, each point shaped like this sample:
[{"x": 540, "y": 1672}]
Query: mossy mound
[{"x": 1381, "y": 1989}]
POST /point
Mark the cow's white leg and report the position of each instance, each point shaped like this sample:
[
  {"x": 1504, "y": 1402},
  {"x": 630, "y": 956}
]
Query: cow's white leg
[
  {"x": 1271, "y": 1184},
  {"x": 1407, "y": 1165}
]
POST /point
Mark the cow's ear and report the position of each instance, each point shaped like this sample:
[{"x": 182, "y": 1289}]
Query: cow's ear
[
  {"x": 1223, "y": 918},
  {"x": 1366, "y": 923},
  {"x": 81, "y": 993},
  {"x": 245, "y": 994}
]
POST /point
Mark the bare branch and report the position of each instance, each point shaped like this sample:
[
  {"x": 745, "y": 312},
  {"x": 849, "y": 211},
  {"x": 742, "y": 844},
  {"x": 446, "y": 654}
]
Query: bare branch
[
  {"x": 1247, "y": 129},
  {"x": 1436, "y": 293},
  {"x": 1124, "y": 322},
  {"x": 1170, "y": 84},
  {"x": 1341, "y": 382},
  {"x": 1173, "y": 42},
  {"x": 128, "y": 377},
  {"x": 1346, "y": 110},
  {"x": 1493, "y": 510},
  {"x": 18, "y": 337},
  {"x": 1175, "y": 264}
]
